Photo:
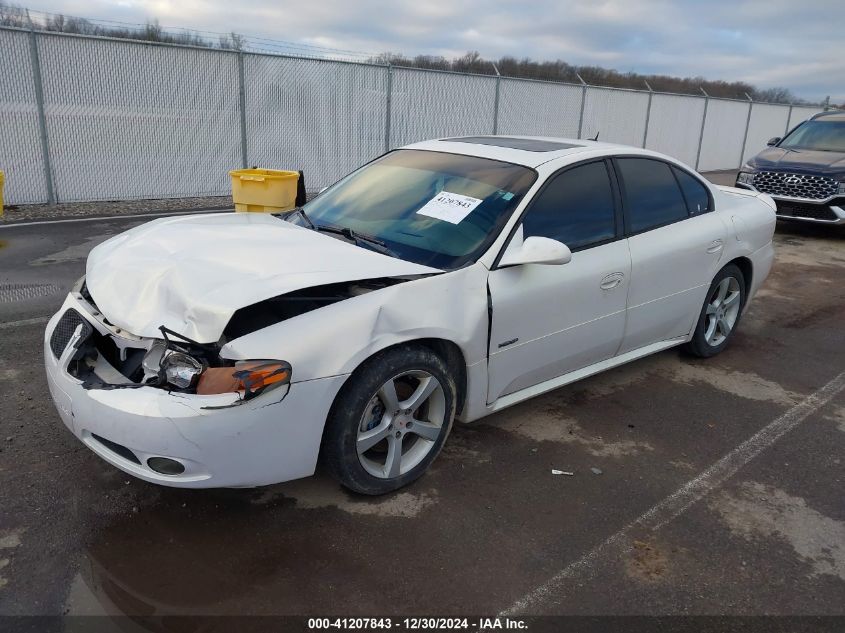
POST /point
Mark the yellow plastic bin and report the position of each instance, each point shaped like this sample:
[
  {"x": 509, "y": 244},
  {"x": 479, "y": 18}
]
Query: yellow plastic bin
[{"x": 264, "y": 190}]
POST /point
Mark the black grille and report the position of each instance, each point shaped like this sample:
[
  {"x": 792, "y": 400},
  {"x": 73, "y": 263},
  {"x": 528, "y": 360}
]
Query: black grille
[
  {"x": 804, "y": 210},
  {"x": 120, "y": 449},
  {"x": 86, "y": 294},
  {"x": 64, "y": 331},
  {"x": 781, "y": 183}
]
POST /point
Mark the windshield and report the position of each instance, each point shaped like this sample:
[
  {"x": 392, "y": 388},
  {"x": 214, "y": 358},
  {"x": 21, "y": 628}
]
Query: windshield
[
  {"x": 825, "y": 136},
  {"x": 431, "y": 208}
]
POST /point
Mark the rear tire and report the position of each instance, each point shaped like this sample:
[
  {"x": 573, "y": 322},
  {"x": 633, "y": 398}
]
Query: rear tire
[
  {"x": 390, "y": 420},
  {"x": 720, "y": 313}
]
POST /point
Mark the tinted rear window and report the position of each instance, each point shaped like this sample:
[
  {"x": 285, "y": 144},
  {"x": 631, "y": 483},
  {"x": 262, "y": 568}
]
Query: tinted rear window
[
  {"x": 652, "y": 196},
  {"x": 698, "y": 200}
]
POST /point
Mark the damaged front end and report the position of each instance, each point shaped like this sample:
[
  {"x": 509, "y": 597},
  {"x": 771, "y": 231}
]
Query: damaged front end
[
  {"x": 107, "y": 357},
  {"x": 274, "y": 310}
]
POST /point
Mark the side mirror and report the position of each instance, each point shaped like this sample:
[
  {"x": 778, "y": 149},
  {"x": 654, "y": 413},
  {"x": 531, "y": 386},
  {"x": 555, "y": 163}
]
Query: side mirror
[
  {"x": 773, "y": 141},
  {"x": 535, "y": 250}
]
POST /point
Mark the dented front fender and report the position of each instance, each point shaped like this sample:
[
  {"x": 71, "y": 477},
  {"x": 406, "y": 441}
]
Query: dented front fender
[{"x": 337, "y": 338}]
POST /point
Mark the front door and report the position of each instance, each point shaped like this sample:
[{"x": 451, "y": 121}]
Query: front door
[{"x": 548, "y": 320}]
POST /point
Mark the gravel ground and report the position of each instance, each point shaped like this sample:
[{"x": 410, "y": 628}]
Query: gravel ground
[
  {"x": 489, "y": 527},
  {"x": 29, "y": 212}
]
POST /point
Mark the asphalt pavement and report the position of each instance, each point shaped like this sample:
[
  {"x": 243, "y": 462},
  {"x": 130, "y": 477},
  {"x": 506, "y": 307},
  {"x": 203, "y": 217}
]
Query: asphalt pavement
[{"x": 699, "y": 486}]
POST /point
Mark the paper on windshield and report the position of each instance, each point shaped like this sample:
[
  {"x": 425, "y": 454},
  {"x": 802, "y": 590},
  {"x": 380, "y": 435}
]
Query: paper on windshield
[{"x": 449, "y": 207}]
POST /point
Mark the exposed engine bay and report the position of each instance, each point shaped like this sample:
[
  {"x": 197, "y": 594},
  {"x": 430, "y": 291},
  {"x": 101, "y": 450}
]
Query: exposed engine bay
[{"x": 114, "y": 358}]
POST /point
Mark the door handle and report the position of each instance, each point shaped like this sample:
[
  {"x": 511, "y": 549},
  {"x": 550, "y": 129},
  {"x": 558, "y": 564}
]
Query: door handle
[
  {"x": 612, "y": 280},
  {"x": 715, "y": 246}
]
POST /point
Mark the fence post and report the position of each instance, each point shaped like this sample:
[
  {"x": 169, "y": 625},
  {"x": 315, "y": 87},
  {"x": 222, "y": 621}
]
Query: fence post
[
  {"x": 242, "y": 107},
  {"x": 701, "y": 133},
  {"x": 496, "y": 102},
  {"x": 388, "y": 108},
  {"x": 747, "y": 124},
  {"x": 647, "y": 111},
  {"x": 42, "y": 119},
  {"x": 788, "y": 119},
  {"x": 583, "y": 103}
]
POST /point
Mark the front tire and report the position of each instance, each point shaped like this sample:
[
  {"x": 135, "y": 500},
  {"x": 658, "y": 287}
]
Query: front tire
[
  {"x": 390, "y": 420},
  {"x": 720, "y": 313}
]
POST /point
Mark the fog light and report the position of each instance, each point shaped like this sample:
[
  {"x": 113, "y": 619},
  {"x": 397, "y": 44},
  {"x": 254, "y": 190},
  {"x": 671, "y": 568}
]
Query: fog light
[{"x": 165, "y": 465}]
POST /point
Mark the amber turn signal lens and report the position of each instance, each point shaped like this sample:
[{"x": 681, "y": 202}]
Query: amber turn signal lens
[
  {"x": 252, "y": 377},
  {"x": 255, "y": 376}
]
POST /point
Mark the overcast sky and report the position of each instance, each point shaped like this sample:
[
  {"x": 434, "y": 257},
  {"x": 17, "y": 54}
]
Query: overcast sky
[{"x": 788, "y": 43}]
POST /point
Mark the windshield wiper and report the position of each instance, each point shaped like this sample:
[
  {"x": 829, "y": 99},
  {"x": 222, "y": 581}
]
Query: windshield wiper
[
  {"x": 359, "y": 238},
  {"x": 353, "y": 236},
  {"x": 301, "y": 213}
]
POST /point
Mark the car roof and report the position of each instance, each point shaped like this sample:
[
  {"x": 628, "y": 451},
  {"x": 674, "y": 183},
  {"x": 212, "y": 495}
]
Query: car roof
[
  {"x": 530, "y": 151},
  {"x": 835, "y": 115}
]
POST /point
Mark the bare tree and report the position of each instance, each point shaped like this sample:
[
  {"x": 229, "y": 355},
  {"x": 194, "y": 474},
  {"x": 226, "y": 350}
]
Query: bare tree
[
  {"x": 232, "y": 42},
  {"x": 12, "y": 15},
  {"x": 471, "y": 62},
  {"x": 559, "y": 70}
]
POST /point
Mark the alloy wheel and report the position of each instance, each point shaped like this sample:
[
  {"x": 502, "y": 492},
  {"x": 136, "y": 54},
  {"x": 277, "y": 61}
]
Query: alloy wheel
[
  {"x": 401, "y": 424},
  {"x": 722, "y": 311}
]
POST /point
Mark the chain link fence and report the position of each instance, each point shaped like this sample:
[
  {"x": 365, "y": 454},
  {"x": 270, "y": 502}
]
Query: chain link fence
[{"x": 90, "y": 118}]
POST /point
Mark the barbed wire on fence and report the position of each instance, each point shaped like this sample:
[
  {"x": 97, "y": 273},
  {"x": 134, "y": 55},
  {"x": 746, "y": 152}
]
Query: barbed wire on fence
[
  {"x": 470, "y": 63},
  {"x": 13, "y": 16},
  {"x": 91, "y": 117}
]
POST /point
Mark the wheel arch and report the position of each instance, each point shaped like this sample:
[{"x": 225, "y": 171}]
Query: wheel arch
[
  {"x": 449, "y": 351},
  {"x": 453, "y": 356},
  {"x": 746, "y": 268}
]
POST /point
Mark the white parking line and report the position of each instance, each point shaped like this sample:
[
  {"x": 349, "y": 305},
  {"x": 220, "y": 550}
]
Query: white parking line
[
  {"x": 33, "y": 321},
  {"x": 682, "y": 499},
  {"x": 110, "y": 218}
]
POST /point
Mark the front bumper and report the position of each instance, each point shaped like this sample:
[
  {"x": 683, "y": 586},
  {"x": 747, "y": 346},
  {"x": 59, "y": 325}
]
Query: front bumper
[
  {"x": 273, "y": 438},
  {"x": 829, "y": 211}
]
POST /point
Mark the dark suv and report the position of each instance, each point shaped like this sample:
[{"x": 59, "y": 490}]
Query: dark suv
[{"x": 804, "y": 171}]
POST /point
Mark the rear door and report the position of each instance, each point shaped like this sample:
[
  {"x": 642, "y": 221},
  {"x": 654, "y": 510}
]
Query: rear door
[
  {"x": 548, "y": 320},
  {"x": 676, "y": 244}
]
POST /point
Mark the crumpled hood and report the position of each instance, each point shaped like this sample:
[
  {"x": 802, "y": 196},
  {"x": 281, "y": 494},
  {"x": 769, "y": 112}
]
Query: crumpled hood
[{"x": 191, "y": 273}]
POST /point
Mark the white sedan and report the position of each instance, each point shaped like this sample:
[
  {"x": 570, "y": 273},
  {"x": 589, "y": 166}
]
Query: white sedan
[{"x": 445, "y": 280}]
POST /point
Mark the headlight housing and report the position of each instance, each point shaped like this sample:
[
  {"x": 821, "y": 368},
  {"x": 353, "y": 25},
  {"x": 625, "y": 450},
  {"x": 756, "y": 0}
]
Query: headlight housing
[
  {"x": 745, "y": 178},
  {"x": 181, "y": 370}
]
